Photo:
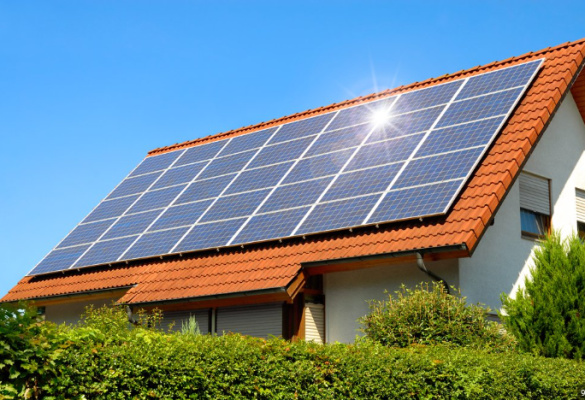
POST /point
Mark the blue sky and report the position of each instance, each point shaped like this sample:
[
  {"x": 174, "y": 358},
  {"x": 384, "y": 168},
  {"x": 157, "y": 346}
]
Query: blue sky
[{"x": 88, "y": 87}]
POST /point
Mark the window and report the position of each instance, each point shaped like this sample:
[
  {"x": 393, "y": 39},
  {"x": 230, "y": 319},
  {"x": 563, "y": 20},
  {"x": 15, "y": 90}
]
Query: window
[
  {"x": 580, "y": 197},
  {"x": 534, "y": 206}
]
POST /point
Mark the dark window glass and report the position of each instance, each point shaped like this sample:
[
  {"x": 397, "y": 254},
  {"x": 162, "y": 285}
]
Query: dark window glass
[
  {"x": 534, "y": 224},
  {"x": 581, "y": 229}
]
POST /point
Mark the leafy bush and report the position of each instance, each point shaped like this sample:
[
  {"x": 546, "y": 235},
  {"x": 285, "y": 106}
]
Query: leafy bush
[
  {"x": 548, "y": 315},
  {"x": 429, "y": 315},
  {"x": 29, "y": 348},
  {"x": 107, "y": 358}
]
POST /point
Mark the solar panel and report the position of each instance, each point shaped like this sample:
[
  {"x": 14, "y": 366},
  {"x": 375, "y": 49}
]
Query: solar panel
[{"x": 333, "y": 171}]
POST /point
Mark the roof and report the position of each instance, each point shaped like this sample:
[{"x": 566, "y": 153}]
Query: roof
[{"x": 271, "y": 265}]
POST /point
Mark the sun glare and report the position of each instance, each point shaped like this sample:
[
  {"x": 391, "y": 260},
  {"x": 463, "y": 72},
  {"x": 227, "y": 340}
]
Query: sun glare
[{"x": 380, "y": 117}]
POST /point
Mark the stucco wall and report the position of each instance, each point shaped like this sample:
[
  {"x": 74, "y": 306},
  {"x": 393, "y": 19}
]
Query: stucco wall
[
  {"x": 502, "y": 258},
  {"x": 70, "y": 313},
  {"x": 347, "y": 293}
]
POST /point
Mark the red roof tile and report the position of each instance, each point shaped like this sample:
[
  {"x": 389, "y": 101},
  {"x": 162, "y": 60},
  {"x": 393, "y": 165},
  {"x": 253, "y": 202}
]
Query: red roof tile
[{"x": 275, "y": 265}]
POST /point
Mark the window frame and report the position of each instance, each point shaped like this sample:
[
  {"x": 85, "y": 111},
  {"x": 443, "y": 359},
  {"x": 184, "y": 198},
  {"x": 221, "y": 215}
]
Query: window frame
[{"x": 529, "y": 235}]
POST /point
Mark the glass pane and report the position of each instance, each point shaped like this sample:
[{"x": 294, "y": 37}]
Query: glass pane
[{"x": 533, "y": 222}]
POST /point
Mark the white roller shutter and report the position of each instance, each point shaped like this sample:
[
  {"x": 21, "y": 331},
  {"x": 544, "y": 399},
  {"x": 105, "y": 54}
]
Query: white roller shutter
[
  {"x": 534, "y": 193},
  {"x": 315, "y": 322},
  {"x": 201, "y": 316},
  {"x": 580, "y": 195},
  {"x": 260, "y": 320}
]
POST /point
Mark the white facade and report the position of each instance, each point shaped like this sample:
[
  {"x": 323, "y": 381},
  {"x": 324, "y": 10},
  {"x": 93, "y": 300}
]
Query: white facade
[{"x": 502, "y": 258}]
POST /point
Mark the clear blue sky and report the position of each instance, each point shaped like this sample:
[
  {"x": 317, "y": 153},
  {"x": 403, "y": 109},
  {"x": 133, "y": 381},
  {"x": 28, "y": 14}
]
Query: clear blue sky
[{"x": 88, "y": 87}]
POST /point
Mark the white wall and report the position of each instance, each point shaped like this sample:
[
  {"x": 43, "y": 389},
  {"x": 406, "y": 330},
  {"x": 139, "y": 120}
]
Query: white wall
[
  {"x": 70, "y": 313},
  {"x": 502, "y": 258},
  {"x": 347, "y": 293}
]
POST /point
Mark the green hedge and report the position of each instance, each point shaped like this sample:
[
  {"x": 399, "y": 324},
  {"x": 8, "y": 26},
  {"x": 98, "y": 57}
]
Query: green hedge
[{"x": 104, "y": 359}]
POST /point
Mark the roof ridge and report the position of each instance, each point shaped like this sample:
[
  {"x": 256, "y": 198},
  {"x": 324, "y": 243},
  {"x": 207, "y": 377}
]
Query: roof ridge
[{"x": 369, "y": 97}]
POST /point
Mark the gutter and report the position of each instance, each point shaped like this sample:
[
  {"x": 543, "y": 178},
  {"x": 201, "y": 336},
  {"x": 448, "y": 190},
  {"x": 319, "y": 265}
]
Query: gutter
[{"x": 384, "y": 256}]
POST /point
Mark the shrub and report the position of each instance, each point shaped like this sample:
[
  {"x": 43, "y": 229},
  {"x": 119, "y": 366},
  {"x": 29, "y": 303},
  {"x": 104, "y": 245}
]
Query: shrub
[
  {"x": 107, "y": 358},
  {"x": 427, "y": 314},
  {"x": 29, "y": 348},
  {"x": 547, "y": 316}
]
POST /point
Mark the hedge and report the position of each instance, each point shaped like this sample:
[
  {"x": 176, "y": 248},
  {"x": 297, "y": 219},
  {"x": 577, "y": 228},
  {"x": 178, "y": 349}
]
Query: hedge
[{"x": 106, "y": 359}]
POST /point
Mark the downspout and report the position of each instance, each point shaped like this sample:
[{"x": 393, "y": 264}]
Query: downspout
[{"x": 421, "y": 265}]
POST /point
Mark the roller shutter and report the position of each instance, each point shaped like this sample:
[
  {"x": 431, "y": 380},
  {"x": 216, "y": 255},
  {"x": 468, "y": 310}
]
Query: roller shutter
[
  {"x": 534, "y": 193},
  {"x": 260, "y": 320},
  {"x": 201, "y": 316},
  {"x": 580, "y": 195},
  {"x": 315, "y": 322}
]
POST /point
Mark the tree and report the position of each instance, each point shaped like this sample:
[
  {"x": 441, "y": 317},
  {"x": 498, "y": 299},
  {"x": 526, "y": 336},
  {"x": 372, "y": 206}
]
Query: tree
[{"x": 547, "y": 316}]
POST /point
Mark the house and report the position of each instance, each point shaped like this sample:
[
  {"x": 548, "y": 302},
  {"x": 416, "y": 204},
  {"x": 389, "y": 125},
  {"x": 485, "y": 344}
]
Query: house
[{"x": 528, "y": 180}]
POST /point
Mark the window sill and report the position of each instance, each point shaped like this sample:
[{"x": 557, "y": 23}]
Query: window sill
[{"x": 532, "y": 236}]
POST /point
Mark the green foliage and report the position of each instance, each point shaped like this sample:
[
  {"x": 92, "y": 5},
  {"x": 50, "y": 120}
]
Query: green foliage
[
  {"x": 429, "y": 315},
  {"x": 190, "y": 327},
  {"x": 548, "y": 315},
  {"x": 106, "y": 358},
  {"x": 29, "y": 348}
]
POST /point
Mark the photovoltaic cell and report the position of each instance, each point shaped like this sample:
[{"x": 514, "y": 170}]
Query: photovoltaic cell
[
  {"x": 499, "y": 80},
  {"x": 199, "y": 153},
  {"x": 362, "y": 182},
  {"x": 227, "y": 165},
  {"x": 416, "y": 201},
  {"x": 210, "y": 235},
  {"x": 157, "y": 199},
  {"x": 438, "y": 168},
  {"x": 259, "y": 178},
  {"x": 183, "y": 215},
  {"x": 205, "y": 189},
  {"x": 478, "y": 133},
  {"x": 105, "y": 252},
  {"x": 60, "y": 259},
  {"x": 86, "y": 233},
  {"x": 476, "y": 108},
  {"x": 235, "y": 206},
  {"x": 386, "y": 152},
  {"x": 359, "y": 114},
  {"x": 131, "y": 225},
  {"x": 156, "y": 163},
  {"x": 135, "y": 185},
  {"x": 247, "y": 142},
  {"x": 305, "y": 127},
  {"x": 176, "y": 176},
  {"x": 152, "y": 244},
  {"x": 295, "y": 195},
  {"x": 338, "y": 214},
  {"x": 281, "y": 152},
  {"x": 111, "y": 208},
  {"x": 316, "y": 167},
  {"x": 424, "y": 98},
  {"x": 338, "y": 140},
  {"x": 406, "y": 124},
  {"x": 271, "y": 226},
  {"x": 411, "y": 166}
]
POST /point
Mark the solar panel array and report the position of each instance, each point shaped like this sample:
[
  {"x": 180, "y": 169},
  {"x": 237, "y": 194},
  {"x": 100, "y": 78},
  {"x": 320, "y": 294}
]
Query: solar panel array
[{"x": 332, "y": 171}]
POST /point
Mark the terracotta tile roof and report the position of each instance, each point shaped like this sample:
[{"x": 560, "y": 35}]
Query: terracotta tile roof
[{"x": 275, "y": 265}]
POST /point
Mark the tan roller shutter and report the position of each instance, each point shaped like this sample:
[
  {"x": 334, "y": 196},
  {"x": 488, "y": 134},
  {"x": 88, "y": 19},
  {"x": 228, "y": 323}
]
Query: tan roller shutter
[
  {"x": 580, "y": 195},
  {"x": 534, "y": 193},
  {"x": 201, "y": 316},
  {"x": 315, "y": 322},
  {"x": 260, "y": 320}
]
